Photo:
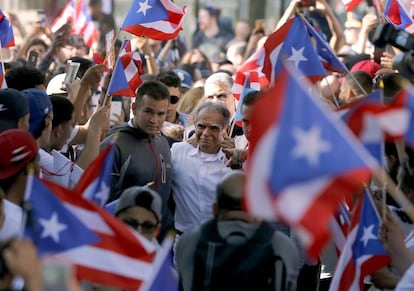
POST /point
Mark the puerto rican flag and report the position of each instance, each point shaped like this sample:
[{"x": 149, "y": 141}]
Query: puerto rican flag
[
  {"x": 77, "y": 12},
  {"x": 253, "y": 63},
  {"x": 155, "y": 19},
  {"x": 126, "y": 76},
  {"x": 243, "y": 84},
  {"x": 351, "y": 4},
  {"x": 6, "y": 31},
  {"x": 96, "y": 180},
  {"x": 291, "y": 43},
  {"x": 102, "y": 248},
  {"x": 368, "y": 130},
  {"x": 370, "y": 121},
  {"x": 165, "y": 276},
  {"x": 396, "y": 14},
  {"x": 291, "y": 130},
  {"x": 328, "y": 58},
  {"x": 3, "y": 83},
  {"x": 363, "y": 253}
]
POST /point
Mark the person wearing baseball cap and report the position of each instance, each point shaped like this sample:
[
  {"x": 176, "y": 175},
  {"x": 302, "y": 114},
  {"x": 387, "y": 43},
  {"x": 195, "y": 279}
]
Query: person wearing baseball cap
[
  {"x": 18, "y": 150},
  {"x": 14, "y": 110},
  {"x": 41, "y": 113},
  {"x": 140, "y": 208}
]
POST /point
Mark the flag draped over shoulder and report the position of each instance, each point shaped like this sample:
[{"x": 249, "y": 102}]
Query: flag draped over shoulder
[
  {"x": 363, "y": 253},
  {"x": 155, "y": 19},
  {"x": 6, "y": 31},
  {"x": 291, "y": 43},
  {"x": 126, "y": 76},
  {"x": 296, "y": 172},
  {"x": 77, "y": 12},
  {"x": 103, "y": 249},
  {"x": 95, "y": 181}
]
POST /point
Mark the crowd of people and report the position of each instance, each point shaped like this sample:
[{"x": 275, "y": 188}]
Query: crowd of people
[{"x": 179, "y": 155}]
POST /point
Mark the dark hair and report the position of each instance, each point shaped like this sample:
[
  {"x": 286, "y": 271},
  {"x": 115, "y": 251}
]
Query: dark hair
[
  {"x": 37, "y": 41},
  {"x": 85, "y": 64},
  {"x": 170, "y": 79},
  {"x": 154, "y": 89},
  {"x": 213, "y": 11},
  {"x": 250, "y": 98},
  {"x": 62, "y": 110},
  {"x": 363, "y": 78},
  {"x": 215, "y": 107},
  {"x": 22, "y": 78}
]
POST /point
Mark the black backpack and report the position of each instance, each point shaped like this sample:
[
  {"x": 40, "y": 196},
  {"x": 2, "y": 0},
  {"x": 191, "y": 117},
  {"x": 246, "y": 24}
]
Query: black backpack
[{"x": 248, "y": 266}]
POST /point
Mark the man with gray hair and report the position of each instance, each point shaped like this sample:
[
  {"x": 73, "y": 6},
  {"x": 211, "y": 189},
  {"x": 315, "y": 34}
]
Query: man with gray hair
[
  {"x": 197, "y": 170},
  {"x": 217, "y": 88}
]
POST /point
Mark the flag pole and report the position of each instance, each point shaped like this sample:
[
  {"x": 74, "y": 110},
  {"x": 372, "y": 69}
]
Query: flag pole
[
  {"x": 395, "y": 192},
  {"x": 2, "y": 59}
]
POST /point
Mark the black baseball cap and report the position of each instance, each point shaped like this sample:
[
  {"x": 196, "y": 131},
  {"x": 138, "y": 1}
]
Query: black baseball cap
[{"x": 13, "y": 105}]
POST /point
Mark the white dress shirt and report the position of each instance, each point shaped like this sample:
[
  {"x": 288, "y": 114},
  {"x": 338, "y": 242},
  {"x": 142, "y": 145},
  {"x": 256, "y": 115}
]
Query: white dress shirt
[{"x": 195, "y": 177}]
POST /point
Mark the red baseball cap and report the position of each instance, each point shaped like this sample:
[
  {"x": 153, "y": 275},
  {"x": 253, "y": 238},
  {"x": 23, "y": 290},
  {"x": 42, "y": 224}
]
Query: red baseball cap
[
  {"x": 368, "y": 66},
  {"x": 18, "y": 148}
]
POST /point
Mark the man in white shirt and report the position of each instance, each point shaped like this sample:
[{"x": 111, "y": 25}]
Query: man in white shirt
[{"x": 197, "y": 170}]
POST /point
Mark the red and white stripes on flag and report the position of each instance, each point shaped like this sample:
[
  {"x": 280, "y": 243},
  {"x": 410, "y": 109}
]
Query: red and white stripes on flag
[
  {"x": 77, "y": 12},
  {"x": 350, "y": 4},
  {"x": 122, "y": 258}
]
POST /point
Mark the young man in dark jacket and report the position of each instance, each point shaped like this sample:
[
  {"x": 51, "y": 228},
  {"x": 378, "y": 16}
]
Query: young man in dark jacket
[{"x": 142, "y": 154}]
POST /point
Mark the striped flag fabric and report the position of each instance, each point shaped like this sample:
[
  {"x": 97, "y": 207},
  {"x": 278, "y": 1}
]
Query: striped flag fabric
[
  {"x": 77, "y": 12},
  {"x": 6, "y": 31},
  {"x": 95, "y": 181},
  {"x": 126, "y": 79},
  {"x": 115, "y": 255},
  {"x": 291, "y": 43},
  {"x": 396, "y": 14},
  {"x": 155, "y": 19},
  {"x": 350, "y": 4},
  {"x": 363, "y": 253},
  {"x": 290, "y": 130},
  {"x": 3, "y": 83}
]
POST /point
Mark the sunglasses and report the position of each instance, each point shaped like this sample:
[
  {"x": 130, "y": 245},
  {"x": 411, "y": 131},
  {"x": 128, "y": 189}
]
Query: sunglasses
[
  {"x": 174, "y": 99},
  {"x": 147, "y": 226}
]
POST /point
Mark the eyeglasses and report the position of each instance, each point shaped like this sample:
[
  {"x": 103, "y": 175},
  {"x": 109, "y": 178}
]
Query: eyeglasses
[
  {"x": 221, "y": 96},
  {"x": 174, "y": 99},
  {"x": 146, "y": 226}
]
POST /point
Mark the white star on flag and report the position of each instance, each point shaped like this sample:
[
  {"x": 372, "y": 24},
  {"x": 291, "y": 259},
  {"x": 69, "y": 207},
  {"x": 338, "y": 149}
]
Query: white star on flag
[
  {"x": 309, "y": 144},
  {"x": 297, "y": 56},
  {"x": 368, "y": 234},
  {"x": 143, "y": 7},
  {"x": 52, "y": 227}
]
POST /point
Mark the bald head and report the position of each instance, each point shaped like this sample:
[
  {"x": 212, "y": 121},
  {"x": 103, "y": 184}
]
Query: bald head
[{"x": 230, "y": 191}]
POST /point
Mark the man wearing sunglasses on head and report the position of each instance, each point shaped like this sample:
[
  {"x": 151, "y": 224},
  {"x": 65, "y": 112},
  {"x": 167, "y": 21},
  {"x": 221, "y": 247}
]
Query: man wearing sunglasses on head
[{"x": 140, "y": 208}]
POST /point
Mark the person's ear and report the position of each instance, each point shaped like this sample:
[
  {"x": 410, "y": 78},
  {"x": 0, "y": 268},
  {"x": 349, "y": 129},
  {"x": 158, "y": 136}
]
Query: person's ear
[{"x": 133, "y": 107}]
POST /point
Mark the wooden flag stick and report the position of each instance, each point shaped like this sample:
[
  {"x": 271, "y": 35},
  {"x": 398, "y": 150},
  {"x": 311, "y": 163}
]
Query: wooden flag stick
[{"x": 395, "y": 192}]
